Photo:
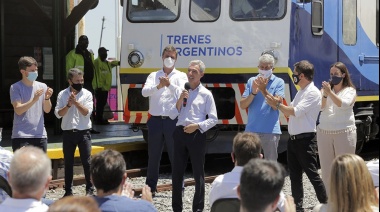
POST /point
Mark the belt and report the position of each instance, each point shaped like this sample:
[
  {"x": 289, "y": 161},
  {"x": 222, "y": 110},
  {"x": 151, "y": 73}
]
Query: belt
[
  {"x": 161, "y": 117},
  {"x": 301, "y": 136},
  {"x": 74, "y": 130}
]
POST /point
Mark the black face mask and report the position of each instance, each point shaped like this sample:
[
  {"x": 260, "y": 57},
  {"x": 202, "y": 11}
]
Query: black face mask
[
  {"x": 296, "y": 79},
  {"x": 335, "y": 80},
  {"x": 78, "y": 87}
]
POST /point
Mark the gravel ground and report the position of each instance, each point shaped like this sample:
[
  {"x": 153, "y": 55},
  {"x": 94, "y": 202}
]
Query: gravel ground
[{"x": 162, "y": 201}]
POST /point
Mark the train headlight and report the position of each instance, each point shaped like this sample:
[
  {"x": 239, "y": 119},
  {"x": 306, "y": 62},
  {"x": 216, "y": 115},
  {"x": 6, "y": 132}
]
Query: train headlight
[{"x": 135, "y": 59}]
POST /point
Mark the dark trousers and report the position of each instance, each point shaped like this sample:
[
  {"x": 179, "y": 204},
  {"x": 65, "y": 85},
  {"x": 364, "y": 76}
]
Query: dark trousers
[
  {"x": 302, "y": 157},
  {"x": 185, "y": 145},
  {"x": 17, "y": 143},
  {"x": 160, "y": 132},
  {"x": 71, "y": 140},
  {"x": 101, "y": 100}
]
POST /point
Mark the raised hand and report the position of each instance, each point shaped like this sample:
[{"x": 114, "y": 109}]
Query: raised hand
[
  {"x": 146, "y": 194},
  {"x": 48, "y": 93},
  {"x": 38, "y": 93}
]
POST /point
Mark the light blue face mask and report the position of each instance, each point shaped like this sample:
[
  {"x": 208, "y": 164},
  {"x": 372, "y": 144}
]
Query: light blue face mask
[{"x": 32, "y": 76}]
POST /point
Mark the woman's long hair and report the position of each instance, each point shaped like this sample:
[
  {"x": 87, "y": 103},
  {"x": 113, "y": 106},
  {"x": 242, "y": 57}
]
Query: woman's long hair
[{"x": 352, "y": 188}]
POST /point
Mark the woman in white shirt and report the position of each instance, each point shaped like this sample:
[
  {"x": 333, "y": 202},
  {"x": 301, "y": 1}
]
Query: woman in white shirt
[
  {"x": 352, "y": 187},
  {"x": 336, "y": 132}
]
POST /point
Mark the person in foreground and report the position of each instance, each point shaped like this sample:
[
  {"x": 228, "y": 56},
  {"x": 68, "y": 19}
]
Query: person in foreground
[
  {"x": 75, "y": 204},
  {"x": 261, "y": 182},
  {"x": 245, "y": 147},
  {"x": 113, "y": 193},
  {"x": 302, "y": 145},
  {"x": 189, "y": 135},
  {"x": 29, "y": 176},
  {"x": 352, "y": 187}
]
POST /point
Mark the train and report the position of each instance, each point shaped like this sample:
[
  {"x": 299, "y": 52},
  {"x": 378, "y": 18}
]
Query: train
[{"x": 230, "y": 40}]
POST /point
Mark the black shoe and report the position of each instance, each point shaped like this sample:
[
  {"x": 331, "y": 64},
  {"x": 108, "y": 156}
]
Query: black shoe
[
  {"x": 101, "y": 122},
  {"x": 67, "y": 193},
  {"x": 94, "y": 131}
]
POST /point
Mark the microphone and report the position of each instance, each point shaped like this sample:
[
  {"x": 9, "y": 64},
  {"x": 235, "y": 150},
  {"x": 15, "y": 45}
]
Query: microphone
[{"x": 187, "y": 87}]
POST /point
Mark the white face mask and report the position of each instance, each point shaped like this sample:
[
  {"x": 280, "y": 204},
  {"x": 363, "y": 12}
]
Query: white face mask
[
  {"x": 169, "y": 62},
  {"x": 266, "y": 73}
]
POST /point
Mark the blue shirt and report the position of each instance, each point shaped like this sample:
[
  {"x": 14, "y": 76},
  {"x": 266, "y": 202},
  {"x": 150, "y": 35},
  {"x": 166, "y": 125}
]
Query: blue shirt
[
  {"x": 30, "y": 124},
  {"x": 117, "y": 203},
  {"x": 261, "y": 117},
  {"x": 199, "y": 104}
]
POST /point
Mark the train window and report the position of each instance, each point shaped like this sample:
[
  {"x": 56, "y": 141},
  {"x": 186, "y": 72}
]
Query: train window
[
  {"x": 204, "y": 10},
  {"x": 243, "y": 10},
  {"x": 136, "y": 102},
  {"x": 225, "y": 102},
  {"x": 317, "y": 17},
  {"x": 349, "y": 22},
  {"x": 153, "y": 10}
]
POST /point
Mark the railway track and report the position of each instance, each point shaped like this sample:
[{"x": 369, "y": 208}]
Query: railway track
[{"x": 131, "y": 173}]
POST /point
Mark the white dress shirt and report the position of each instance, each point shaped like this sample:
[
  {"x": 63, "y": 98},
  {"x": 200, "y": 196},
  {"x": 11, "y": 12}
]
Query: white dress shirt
[
  {"x": 162, "y": 100},
  {"x": 225, "y": 186},
  {"x": 199, "y": 104},
  {"x": 73, "y": 119},
  {"x": 23, "y": 205},
  {"x": 306, "y": 104}
]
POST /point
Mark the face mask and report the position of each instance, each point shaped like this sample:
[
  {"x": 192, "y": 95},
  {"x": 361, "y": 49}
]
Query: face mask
[
  {"x": 169, "y": 62},
  {"x": 335, "y": 80},
  {"x": 32, "y": 76},
  {"x": 78, "y": 87},
  {"x": 266, "y": 73},
  {"x": 296, "y": 79}
]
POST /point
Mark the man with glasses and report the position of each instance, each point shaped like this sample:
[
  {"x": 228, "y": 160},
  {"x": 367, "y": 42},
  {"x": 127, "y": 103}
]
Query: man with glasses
[
  {"x": 262, "y": 118},
  {"x": 30, "y": 99}
]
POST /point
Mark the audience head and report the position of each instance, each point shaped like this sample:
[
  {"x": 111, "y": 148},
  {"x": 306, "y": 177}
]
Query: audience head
[
  {"x": 29, "y": 173},
  {"x": 74, "y": 204},
  {"x": 260, "y": 185},
  {"x": 245, "y": 147},
  {"x": 108, "y": 170},
  {"x": 352, "y": 187}
]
